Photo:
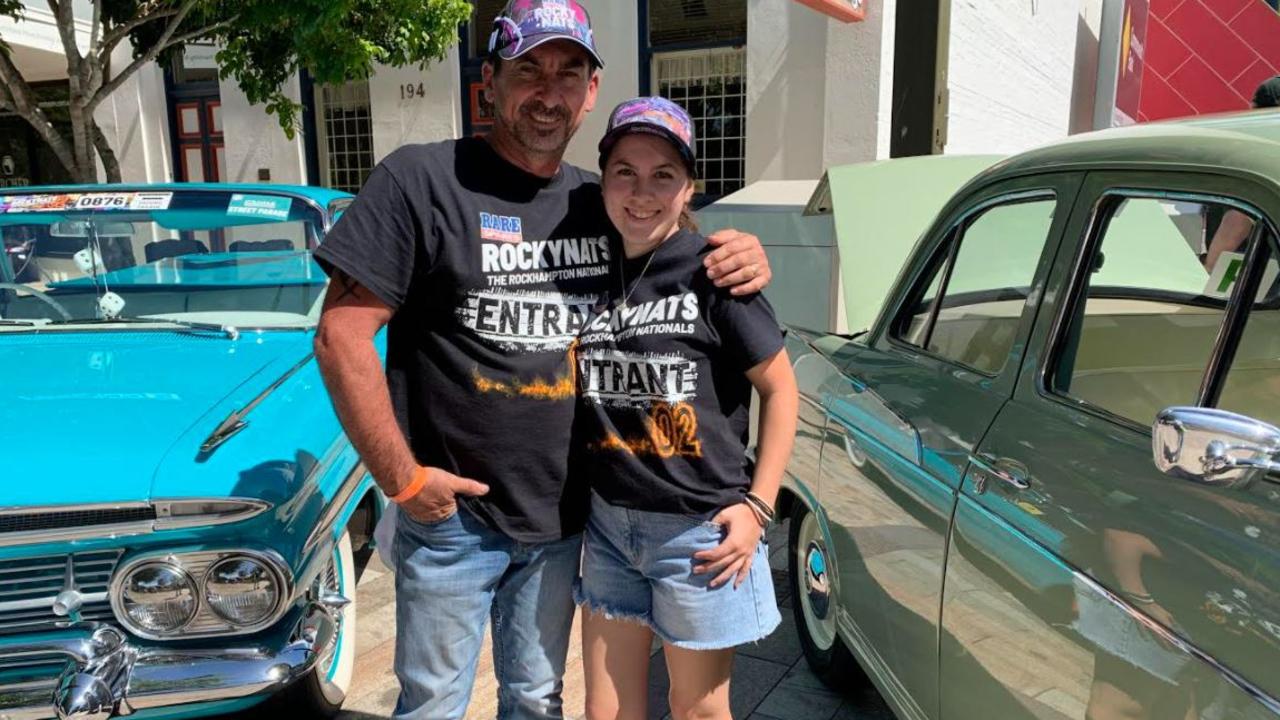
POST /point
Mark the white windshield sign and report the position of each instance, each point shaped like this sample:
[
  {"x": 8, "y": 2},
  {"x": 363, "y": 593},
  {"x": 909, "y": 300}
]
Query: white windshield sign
[{"x": 85, "y": 202}]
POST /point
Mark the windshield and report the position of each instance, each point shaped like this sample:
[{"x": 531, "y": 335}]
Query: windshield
[{"x": 193, "y": 256}]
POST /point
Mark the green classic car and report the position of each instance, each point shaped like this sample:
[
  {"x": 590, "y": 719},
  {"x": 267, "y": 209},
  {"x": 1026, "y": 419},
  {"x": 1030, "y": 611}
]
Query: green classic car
[{"x": 1042, "y": 481}]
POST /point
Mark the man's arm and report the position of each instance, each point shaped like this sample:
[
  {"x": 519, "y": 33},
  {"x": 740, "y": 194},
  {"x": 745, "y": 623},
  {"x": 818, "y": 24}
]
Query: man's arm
[
  {"x": 353, "y": 373},
  {"x": 738, "y": 262}
]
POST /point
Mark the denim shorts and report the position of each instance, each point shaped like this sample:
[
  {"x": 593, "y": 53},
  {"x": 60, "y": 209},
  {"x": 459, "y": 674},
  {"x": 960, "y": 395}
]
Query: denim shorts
[{"x": 638, "y": 565}]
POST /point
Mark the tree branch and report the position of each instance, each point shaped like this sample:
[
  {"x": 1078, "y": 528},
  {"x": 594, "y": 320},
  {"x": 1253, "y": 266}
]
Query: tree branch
[
  {"x": 24, "y": 103},
  {"x": 64, "y": 14},
  {"x": 120, "y": 32},
  {"x": 115, "y": 82},
  {"x": 110, "y": 163},
  {"x": 95, "y": 28},
  {"x": 166, "y": 40}
]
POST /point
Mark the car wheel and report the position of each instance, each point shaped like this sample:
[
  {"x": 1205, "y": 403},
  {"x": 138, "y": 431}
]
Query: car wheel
[
  {"x": 321, "y": 692},
  {"x": 813, "y": 603}
]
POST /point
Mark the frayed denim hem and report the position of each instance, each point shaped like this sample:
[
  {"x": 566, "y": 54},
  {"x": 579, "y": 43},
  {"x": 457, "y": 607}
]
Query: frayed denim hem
[{"x": 753, "y": 639}]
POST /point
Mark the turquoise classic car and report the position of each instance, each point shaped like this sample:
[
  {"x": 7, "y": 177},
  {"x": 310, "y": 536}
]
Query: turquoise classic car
[
  {"x": 181, "y": 516},
  {"x": 1041, "y": 480}
]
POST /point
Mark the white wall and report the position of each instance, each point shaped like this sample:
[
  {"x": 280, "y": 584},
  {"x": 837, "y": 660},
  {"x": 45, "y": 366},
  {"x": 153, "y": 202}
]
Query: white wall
[
  {"x": 617, "y": 40},
  {"x": 401, "y": 121},
  {"x": 786, "y": 90},
  {"x": 1011, "y": 73},
  {"x": 859, "y": 86},
  {"x": 135, "y": 121},
  {"x": 255, "y": 140}
]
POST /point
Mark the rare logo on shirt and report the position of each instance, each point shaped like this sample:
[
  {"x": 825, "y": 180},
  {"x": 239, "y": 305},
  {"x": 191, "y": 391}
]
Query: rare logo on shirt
[{"x": 502, "y": 228}]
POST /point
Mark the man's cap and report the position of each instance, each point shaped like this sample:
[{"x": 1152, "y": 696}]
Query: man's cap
[
  {"x": 525, "y": 24},
  {"x": 653, "y": 116},
  {"x": 1268, "y": 94}
]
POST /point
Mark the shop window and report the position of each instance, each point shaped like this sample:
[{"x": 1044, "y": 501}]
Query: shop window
[
  {"x": 345, "y": 134},
  {"x": 696, "y": 22},
  {"x": 711, "y": 85}
]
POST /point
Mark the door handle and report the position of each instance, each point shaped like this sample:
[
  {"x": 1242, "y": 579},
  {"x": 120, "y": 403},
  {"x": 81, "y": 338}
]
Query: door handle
[{"x": 1006, "y": 470}]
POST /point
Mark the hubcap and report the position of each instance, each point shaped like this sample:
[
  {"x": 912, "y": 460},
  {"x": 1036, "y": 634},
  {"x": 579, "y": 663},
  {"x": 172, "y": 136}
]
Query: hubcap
[
  {"x": 330, "y": 582},
  {"x": 815, "y": 582}
]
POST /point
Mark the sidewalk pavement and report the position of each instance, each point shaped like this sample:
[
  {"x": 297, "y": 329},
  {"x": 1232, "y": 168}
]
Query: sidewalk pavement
[{"x": 771, "y": 680}]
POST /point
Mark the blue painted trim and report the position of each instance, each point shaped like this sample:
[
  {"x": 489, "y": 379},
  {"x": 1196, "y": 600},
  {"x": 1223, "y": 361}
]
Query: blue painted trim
[{"x": 646, "y": 54}]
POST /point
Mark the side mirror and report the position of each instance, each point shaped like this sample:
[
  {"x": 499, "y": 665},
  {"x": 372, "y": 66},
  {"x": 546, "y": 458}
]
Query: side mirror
[{"x": 1214, "y": 447}]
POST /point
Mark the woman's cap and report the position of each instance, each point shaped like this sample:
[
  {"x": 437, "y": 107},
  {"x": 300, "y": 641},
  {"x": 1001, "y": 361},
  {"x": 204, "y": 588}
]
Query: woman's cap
[
  {"x": 653, "y": 116},
  {"x": 525, "y": 24}
]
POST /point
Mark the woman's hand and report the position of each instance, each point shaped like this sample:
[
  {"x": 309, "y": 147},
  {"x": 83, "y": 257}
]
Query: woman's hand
[{"x": 732, "y": 556}]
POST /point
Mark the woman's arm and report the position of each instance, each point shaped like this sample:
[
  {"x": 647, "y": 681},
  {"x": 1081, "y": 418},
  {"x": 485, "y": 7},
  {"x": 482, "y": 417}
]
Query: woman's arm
[{"x": 775, "y": 382}]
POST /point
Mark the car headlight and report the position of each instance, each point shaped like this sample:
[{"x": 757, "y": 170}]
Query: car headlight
[
  {"x": 242, "y": 590},
  {"x": 159, "y": 597}
]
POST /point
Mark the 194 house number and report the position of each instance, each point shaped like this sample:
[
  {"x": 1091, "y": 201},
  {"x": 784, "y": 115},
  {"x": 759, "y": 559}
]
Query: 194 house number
[{"x": 409, "y": 91}]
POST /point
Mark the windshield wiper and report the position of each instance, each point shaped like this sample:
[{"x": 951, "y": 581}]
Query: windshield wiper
[
  {"x": 229, "y": 331},
  {"x": 23, "y": 323}
]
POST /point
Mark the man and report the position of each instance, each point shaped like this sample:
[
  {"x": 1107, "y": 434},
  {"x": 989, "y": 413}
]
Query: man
[
  {"x": 483, "y": 258},
  {"x": 1233, "y": 230}
]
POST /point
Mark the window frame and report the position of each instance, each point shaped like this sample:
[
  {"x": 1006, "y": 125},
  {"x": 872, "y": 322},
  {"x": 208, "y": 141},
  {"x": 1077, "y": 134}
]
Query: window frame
[
  {"x": 946, "y": 252},
  {"x": 1235, "y": 313}
]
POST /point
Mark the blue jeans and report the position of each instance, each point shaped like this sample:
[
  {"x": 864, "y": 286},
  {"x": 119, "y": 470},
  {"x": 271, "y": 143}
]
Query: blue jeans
[{"x": 453, "y": 574}]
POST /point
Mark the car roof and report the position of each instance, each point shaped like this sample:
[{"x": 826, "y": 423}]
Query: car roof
[
  {"x": 1246, "y": 143},
  {"x": 321, "y": 195}
]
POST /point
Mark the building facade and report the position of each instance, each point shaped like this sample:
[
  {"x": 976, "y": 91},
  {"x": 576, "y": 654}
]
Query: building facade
[{"x": 779, "y": 91}]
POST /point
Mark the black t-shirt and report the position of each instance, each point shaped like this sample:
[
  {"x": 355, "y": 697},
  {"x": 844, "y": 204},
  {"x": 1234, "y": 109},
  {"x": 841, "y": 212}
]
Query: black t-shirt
[
  {"x": 492, "y": 272},
  {"x": 664, "y": 400}
]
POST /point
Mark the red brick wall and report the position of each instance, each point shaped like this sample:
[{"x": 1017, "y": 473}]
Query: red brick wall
[{"x": 1207, "y": 56}]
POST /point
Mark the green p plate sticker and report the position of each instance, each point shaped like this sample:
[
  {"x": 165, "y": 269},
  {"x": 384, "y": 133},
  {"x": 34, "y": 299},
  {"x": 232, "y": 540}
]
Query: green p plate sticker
[
  {"x": 267, "y": 207},
  {"x": 1227, "y": 271}
]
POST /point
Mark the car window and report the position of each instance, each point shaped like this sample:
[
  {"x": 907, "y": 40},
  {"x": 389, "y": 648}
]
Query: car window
[
  {"x": 1158, "y": 282},
  {"x": 982, "y": 278},
  {"x": 1252, "y": 383}
]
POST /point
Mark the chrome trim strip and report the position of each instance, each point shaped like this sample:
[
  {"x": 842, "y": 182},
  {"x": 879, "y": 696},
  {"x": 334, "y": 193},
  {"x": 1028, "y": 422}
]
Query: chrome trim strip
[
  {"x": 1231, "y": 676},
  {"x": 42, "y": 603},
  {"x": 83, "y": 507},
  {"x": 252, "y": 508},
  {"x": 272, "y": 559},
  {"x": 325, "y": 524},
  {"x": 235, "y": 422}
]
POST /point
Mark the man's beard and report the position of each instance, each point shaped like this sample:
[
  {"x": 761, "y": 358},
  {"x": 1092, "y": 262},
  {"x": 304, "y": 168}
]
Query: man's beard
[{"x": 534, "y": 138}]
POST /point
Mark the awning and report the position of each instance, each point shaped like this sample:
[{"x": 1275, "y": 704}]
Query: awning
[{"x": 842, "y": 10}]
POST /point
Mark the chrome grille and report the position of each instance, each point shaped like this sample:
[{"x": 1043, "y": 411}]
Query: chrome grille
[
  {"x": 34, "y": 521},
  {"x": 29, "y": 585}
]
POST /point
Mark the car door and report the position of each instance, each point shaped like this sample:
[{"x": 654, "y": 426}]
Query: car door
[
  {"x": 922, "y": 392},
  {"x": 1081, "y": 582}
]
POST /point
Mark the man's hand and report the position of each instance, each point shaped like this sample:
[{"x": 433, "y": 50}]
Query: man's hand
[
  {"x": 738, "y": 262},
  {"x": 733, "y": 556},
  {"x": 437, "y": 500}
]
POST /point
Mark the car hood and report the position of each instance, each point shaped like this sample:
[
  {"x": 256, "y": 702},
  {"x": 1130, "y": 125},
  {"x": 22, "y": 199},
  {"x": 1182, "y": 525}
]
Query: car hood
[
  {"x": 881, "y": 210},
  {"x": 89, "y": 417}
]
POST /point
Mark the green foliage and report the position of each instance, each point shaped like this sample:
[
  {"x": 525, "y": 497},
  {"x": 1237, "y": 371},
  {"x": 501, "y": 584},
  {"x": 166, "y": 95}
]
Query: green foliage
[
  {"x": 268, "y": 41},
  {"x": 265, "y": 42}
]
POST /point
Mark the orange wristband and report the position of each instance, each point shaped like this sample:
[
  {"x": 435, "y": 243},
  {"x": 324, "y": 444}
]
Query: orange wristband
[{"x": 415, "y": 486}]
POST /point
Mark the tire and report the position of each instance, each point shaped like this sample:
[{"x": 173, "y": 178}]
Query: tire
[
  {"x": 321, "y": 692},
  {"x": 814, "y": 609}
]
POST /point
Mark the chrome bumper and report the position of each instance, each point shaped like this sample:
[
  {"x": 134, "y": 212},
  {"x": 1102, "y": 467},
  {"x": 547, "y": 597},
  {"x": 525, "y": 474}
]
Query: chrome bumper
[{"x": 107, "y": 677}]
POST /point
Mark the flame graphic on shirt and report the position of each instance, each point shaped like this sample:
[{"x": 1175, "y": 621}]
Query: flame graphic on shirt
[
  {"x": 670, "y": 431},
  {"x": 559, "y": 388}
]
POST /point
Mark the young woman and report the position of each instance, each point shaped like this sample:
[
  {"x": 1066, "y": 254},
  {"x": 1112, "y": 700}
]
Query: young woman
[{"x": 674, "y": 546}]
